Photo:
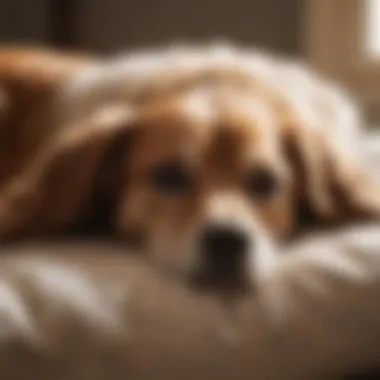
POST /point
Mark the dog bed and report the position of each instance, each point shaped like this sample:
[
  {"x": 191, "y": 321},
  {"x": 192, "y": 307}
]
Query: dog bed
[{"x": 91, "y": 311}]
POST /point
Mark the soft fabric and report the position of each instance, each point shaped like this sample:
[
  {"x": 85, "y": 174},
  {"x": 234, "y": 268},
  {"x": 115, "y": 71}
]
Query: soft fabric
[{"x": 94, "y": 311}]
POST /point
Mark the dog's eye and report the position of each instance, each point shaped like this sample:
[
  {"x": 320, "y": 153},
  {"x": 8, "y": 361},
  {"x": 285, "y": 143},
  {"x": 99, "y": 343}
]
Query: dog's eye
[
  {"x": 171, "y": 179},
  {"x": 262, "y": 183}
]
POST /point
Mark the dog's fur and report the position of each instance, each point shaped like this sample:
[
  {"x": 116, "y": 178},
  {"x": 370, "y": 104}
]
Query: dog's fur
[
  {"x": 30, "y": 79},
  {"x": 221, "y": 115}
]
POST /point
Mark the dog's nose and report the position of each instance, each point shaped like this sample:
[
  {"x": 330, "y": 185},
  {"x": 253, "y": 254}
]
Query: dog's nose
[
  {"x": 224, "y": 252},
  {"x": 220, "y": 241}
]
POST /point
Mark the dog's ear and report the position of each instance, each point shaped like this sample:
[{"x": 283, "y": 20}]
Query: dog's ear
[
  {"x": 332, "y": 182},
  {"x": 58, "y": 187}
]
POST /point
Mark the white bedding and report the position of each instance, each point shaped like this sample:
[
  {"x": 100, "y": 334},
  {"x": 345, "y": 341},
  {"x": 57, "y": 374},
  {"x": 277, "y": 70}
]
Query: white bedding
[{"x": 108, "y": 315}]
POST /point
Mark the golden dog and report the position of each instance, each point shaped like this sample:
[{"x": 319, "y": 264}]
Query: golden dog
[{"x": 208, "y": 154}]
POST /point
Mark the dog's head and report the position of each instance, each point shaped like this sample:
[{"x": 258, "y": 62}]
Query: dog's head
[{"x": 207, "y": 184}]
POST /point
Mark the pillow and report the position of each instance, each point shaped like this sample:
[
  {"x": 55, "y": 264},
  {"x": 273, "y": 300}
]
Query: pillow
[{"x": 90, "y": 310}]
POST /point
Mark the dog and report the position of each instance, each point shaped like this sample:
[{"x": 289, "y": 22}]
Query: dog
[{"x": 210, "y": 156}]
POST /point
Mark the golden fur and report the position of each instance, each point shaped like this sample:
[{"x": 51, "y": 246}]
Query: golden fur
[
  {"x": 221, "y": 116},
  {"x": 29, "y": 81}
]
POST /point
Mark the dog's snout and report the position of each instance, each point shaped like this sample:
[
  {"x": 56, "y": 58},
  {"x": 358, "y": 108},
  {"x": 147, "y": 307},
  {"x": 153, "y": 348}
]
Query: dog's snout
[
  {"x": 224, "y": 252},
  {"x": 226, "y": 243}
]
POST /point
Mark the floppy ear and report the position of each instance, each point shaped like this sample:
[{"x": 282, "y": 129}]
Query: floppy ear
[
  {"x": 58, "y": 187},
  {"x": 332, "y": 183}
]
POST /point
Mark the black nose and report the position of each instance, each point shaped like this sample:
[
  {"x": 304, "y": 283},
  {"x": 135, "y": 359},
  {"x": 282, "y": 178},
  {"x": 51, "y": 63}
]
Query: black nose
[
  {"x": 229, "y": 242},
  {"x": 224, "y": 253}
]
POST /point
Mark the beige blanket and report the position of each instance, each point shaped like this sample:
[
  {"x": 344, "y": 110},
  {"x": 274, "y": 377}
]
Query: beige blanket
[{"x": 104, "y": 314}]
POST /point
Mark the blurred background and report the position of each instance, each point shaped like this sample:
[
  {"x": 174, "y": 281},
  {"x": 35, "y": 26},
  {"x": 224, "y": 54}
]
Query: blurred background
[
  {"x": 107, "y": 25},
  {"x": 338, "y": 37}
]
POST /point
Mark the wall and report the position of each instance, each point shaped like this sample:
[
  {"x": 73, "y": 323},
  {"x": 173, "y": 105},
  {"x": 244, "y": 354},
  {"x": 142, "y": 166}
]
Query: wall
[
  {"x": 24, "y": 21},
  {"x": 110, "y": 25},
  {"x": 107, "y": 25}
]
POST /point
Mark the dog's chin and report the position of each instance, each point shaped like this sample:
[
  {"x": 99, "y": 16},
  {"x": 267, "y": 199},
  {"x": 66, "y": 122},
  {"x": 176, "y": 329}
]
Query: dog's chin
[
  {"x": 181, "y": 262},
  {"x": 229, "y": 284}
]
